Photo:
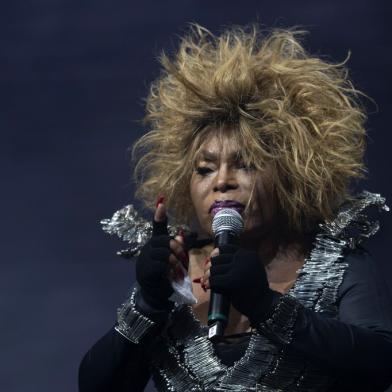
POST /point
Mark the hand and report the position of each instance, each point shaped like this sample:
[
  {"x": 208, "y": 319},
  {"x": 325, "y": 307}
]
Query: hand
[
  {"x": 159, "y": 263},
  {"x": 240, "y": 276}
]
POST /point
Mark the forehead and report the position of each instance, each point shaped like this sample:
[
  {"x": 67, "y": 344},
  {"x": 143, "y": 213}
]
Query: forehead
[{"x": 219, "y": 146}]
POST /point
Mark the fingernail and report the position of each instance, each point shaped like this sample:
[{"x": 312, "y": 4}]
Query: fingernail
[
  {"x": 207, "y": 260},
  {"x": 197, "y": 280},
  {"x": 203, "y": 286},
  {"x": 159, "y": 200}
]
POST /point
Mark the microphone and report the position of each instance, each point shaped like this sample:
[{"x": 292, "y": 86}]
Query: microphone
[{"x": 227, "y": 225}]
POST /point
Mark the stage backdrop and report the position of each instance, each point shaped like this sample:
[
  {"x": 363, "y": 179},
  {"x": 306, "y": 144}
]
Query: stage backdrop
[{"x": 72, "y": 81}]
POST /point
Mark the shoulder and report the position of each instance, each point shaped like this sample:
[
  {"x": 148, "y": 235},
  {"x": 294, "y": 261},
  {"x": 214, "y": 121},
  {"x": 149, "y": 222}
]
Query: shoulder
[
  {"x": 360, "y": 257},
  {"x": 364, "y": 294},
  {"x": 362, "y": 268}
]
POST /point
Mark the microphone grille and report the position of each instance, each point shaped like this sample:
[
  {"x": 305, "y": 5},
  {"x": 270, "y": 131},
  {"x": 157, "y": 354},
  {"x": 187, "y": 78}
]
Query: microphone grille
[{"x": 228, "y": 219}]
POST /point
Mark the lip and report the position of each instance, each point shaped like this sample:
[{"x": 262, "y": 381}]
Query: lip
[{"x": 219, "y": 204}]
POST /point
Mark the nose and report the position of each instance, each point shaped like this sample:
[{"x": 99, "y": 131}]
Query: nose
[{"x": 226, "y": 180}]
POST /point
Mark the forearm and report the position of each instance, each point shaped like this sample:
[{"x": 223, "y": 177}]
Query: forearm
[
  {"x": 114, "y": 363},
  {"x": 354, "y": 354},
  {"x": 342, "y": 345},
  {"x": 118, "y": 360}
]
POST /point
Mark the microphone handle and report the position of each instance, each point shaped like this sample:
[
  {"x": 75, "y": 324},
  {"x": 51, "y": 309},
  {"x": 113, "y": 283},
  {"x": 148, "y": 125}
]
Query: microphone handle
[{"x": 219, "y": 307}]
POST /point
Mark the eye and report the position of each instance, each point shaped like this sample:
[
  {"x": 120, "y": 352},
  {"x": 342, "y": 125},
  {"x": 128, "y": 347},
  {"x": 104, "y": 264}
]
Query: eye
[
  {"x": 203, "y": 170},
  {"x": 242, "y": 165}
]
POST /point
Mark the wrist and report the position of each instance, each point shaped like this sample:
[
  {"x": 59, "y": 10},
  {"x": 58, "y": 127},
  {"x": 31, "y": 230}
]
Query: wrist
[
  {"x": 151, "y": 304},
  {"x": 153, "y": 309}
]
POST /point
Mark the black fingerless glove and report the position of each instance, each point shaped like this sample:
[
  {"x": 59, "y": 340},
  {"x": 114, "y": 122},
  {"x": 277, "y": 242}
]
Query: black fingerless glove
[
  {"x": 239, "y": 275},
  {"x": 152, "y": 269}
]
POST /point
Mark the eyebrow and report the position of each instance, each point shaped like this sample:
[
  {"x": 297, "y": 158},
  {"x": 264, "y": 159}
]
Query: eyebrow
[{"x": 209, "y": 156}]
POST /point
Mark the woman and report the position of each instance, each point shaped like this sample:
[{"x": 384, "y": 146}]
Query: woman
[{"x": 255, "y": 124}]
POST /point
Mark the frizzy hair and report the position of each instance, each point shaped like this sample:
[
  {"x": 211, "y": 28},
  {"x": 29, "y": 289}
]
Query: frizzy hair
[{"x": 293, "y": 112}]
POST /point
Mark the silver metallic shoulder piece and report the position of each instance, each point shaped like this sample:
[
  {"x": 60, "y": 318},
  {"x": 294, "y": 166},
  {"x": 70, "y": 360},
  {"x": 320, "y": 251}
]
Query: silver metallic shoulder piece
[
  {"x": 128, "y": 225},
  {"x": 279, "y": 327},
  {"x": 352, "y": 223}
]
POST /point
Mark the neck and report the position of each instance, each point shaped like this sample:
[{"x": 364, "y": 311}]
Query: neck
[
  {"x": 266, "y": 244},
  {"x": 275, "y": 244}
]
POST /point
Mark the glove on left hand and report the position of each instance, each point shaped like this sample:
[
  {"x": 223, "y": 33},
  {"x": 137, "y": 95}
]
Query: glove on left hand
[{"x": 239, "y": 274}]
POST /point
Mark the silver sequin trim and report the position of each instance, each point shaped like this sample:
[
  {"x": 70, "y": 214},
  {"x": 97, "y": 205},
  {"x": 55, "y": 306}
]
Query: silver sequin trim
[
  {"x": 318, "y": 283},
  {"x": 131, "y": 323},
  {"x": 128, "y": 225},
  {"x": 188, "y": 361}
]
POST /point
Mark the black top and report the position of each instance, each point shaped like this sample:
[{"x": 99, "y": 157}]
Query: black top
[{"x": 357, "y": 345}]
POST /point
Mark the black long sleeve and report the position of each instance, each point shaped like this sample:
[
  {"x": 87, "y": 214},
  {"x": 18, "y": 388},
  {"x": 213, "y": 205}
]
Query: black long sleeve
[
  {"x": 114, "y": 364},
  {"x": 359, "y": 344}
]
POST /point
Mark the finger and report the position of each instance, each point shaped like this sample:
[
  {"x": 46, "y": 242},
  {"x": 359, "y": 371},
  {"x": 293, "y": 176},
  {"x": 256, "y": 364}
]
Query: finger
[
  {"x": 160, "y": 254},
  {"x": 176, "y": 270},
  {"x": 178, "y": 248},
  {"x": 203, "y": 283},
  {"x": 180, "y": 237},
  {"x": 218, "y": 270},
  {"x": 219, "y": 283},
  {"x": 177, "y": 244},
  {"x": 215, "y": 252},
  {"x": 174, "y": 261},
  {"x": 159, "y": 224},
  {"x": 207, "y": 264},
  {"x": 190, "y": 240},
  {"x": 228, "y": 249},
  {"x": 176, "y": 275},
  {"x": 160, "y": 241},
  {"x": 222, "y": 260},
  {"x": 160, "y": 212}
]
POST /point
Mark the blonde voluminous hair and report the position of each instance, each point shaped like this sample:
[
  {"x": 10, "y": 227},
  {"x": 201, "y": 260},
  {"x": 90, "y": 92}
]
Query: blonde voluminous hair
[{"x": 296, "y": 113}]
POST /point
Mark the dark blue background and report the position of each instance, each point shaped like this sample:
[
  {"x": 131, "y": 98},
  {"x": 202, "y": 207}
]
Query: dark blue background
[{"x": 72, "y": 78}]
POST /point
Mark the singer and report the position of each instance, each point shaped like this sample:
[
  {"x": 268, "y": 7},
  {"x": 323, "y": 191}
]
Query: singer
[{"x": 249, "y": 122}]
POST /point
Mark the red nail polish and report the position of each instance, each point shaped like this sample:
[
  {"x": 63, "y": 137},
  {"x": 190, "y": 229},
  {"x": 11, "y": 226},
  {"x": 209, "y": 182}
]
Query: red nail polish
[
  {"x": 203, "y": 286},
  {"x": 159, "y": 200},
  {"x": 197, "y": 280}
]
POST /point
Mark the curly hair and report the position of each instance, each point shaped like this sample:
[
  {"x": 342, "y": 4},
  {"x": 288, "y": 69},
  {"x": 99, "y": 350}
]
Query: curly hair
[{"x": 295, "y": 112}]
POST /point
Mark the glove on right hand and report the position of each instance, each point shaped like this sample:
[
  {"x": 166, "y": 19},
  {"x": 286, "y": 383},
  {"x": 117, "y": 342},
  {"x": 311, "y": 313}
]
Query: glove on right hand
[
  {"x": 158, "y": 263},
  {"x": 152, "y": 272}
]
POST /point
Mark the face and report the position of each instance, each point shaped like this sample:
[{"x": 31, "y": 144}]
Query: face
[{"x": 219, "y": 175}]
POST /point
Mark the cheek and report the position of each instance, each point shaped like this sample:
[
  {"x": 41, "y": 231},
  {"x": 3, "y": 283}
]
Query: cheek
[
  {"x": 261, "y": 209},
  {"x": 199, "y": 192},
  {"x": 196, "y": 192}
]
